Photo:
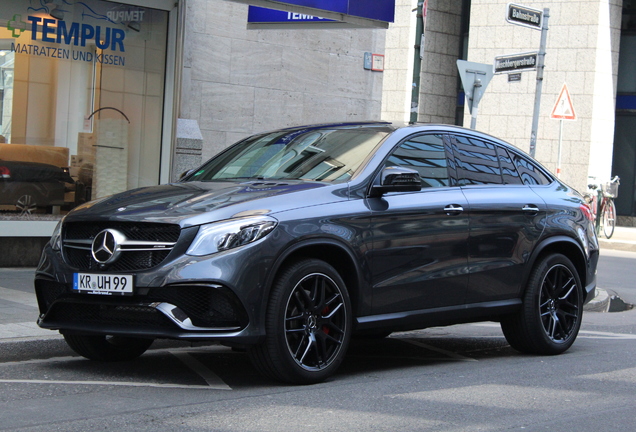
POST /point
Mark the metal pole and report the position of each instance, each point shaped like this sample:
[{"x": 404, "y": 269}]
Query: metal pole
[
  {"x": 476, "y": 98},
  {"x": 537, "y": 93},
  {"x": 558, "y": 173},
  {"x": 417, "y": 60}
]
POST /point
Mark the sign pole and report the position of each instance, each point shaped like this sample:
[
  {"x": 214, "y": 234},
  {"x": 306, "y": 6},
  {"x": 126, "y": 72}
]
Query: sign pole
[
  {"x": 422, "y": 7},
  {"x": 558, "y": 170},
  {"x": 537, "y": 94},
  {"x": 563, "y": 110},
  {"x": 476, "y": 98}
]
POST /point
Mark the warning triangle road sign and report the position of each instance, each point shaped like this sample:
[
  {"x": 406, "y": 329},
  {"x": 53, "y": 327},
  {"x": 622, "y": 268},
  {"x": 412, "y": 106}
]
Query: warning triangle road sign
[{"x": 563, "y": 108}]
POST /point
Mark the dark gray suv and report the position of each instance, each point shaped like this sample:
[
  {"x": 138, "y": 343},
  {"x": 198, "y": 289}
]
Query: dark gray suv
[{"x": 291, "y": 242}]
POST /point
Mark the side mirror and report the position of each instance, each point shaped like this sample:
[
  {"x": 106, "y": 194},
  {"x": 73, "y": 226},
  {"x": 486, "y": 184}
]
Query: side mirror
[{"x": 397, "y": 179}]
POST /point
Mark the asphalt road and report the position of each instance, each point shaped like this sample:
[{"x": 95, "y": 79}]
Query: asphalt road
[
  {"x": 616, "y": 272},
  {"x": 458, "y": 378}
]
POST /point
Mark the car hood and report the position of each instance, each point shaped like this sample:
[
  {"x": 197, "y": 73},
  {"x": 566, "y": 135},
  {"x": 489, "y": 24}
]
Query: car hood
[{"x": 196, "y": 203}]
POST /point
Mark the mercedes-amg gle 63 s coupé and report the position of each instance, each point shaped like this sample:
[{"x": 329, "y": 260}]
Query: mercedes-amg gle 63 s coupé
[{"x": 290, "y": 242}]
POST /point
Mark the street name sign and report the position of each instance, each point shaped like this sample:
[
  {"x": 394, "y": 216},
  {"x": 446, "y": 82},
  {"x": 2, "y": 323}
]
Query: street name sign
[
  {"x": 516, "y": 62},
  {"x": 563, "y": 108},
  {"x": 524, "y": 16}
]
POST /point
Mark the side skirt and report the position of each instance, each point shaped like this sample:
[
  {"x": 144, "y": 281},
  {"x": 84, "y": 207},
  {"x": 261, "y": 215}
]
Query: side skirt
[{"x": 418, "y": 319}]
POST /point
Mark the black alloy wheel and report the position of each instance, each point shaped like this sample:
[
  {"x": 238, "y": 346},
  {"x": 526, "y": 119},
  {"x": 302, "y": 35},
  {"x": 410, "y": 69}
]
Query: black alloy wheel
[
  {"x": 315, "y": 322},
  {"x": 308, "y": 325},
  {"x": 559, "y": 303},
  {"x": 551, "y": 316}
]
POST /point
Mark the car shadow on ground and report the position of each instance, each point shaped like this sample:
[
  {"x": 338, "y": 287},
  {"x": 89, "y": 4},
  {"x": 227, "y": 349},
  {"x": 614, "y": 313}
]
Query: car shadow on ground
[{"x": 164, "y": 364}]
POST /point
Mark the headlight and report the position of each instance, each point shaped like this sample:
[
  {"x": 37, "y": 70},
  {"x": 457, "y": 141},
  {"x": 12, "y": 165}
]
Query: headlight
[
  {"x": 56, "y": 237},
  {"x": 220, "y": 236}
]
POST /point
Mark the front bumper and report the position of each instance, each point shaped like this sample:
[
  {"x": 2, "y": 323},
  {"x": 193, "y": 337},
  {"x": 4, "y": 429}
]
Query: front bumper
[{"x": 205, "y": 299}]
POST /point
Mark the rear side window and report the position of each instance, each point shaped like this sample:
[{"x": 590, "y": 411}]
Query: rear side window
[
  {"x": 477, "y": 162},
  {"x": 508, "y": 170},
  {"x": 529, "y": 172},
  {"x": 426, "y": 155}
]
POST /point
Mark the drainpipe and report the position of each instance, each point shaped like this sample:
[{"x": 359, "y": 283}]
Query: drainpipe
[{"x": 422, "y": 7}]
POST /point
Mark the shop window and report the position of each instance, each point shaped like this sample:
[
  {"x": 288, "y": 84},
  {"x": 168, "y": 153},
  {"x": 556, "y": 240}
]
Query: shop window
[{"x": 81, "y": 100}]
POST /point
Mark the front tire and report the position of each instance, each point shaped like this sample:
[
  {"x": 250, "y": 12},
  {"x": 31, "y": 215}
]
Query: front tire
[
  {"x": 308, "y": 325},
  {"x": 107, "y": 348},
  {"x": 552, "y": 310}
]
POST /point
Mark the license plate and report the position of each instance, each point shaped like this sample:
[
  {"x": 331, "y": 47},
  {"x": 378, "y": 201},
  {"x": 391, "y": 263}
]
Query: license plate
[{"x": 107, "y": 284}]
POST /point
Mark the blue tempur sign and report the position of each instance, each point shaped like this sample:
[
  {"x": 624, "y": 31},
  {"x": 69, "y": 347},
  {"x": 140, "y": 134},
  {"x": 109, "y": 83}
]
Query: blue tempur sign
[
  {"x": 377, "y": 10},
  {"x": 263, "y": 15}
]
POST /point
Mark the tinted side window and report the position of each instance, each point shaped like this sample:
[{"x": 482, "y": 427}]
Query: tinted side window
[
  {"x": 477, "y": 162},
  {"x": 424, "y": 153},
  {"x": 508, "y": 170},
  {"x": 529, "y": 172}
]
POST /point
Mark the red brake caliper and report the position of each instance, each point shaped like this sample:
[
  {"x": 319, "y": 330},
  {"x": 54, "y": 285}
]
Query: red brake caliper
[{"x": 324, "y": 312}]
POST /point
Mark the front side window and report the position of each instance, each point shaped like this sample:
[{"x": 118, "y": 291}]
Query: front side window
[
  {"x": 315, "y": 154},
  {"x": 426, "y": 155}
]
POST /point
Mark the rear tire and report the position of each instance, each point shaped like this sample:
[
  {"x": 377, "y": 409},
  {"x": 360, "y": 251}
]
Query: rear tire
[
  {"x": 107, "y": 348},
  {"x": 308, "y": 325},
  {"x": 552, "y": 310}
]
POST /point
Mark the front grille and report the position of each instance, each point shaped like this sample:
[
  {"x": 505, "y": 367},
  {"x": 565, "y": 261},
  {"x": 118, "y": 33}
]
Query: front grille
[
  {"x": 132, "y": 230},
  {"x": 78, "y": 237},
  {"x": 129, "y": 261}
]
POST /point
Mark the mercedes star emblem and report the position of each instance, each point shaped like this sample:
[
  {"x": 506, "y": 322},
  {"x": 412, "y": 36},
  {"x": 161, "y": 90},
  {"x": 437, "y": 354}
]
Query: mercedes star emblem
[{"x": 106, "y": 246}]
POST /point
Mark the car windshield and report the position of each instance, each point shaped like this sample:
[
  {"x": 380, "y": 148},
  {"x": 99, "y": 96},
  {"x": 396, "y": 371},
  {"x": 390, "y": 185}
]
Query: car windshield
[{"x": 315, "y": 154}]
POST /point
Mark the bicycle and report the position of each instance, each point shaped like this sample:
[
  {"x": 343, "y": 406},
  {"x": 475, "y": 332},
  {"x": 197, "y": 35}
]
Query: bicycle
[{"x": 605, "y": 205}]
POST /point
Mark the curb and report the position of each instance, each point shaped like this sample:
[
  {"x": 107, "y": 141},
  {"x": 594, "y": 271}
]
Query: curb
[
  {"x": 622, "y": 245},
  {"x": 600, "y": 303}
]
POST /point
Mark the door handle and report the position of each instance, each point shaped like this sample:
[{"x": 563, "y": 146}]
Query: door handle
[
  {"x": 530, "y": 208},
  {"x": 453, "y": 209}
]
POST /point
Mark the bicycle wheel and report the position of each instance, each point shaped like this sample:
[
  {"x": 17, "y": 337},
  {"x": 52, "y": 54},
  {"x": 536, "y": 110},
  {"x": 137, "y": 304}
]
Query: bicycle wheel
[{"x": 609, "y": 218}]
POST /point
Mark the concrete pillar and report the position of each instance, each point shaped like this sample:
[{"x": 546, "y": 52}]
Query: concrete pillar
[{"x": 189, "y": 147}]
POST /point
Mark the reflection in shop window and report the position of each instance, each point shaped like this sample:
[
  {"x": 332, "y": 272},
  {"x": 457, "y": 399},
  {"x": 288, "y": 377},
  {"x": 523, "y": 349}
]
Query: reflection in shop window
[{"x": 81, "y": 97}]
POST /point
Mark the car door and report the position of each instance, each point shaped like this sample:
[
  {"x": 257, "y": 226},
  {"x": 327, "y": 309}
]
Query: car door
[
  {"x": 506, "y": 218},
  {"x": 419, "y": 256}
]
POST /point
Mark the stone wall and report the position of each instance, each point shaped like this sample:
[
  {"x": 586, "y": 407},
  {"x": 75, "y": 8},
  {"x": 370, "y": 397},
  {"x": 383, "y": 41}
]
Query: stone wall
[
  {"x": 438, "y": 79},
  {"x": 237, "y": 82},
  {"x": 438, "y": 82},
  {"x": 398, "y": 63}
]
